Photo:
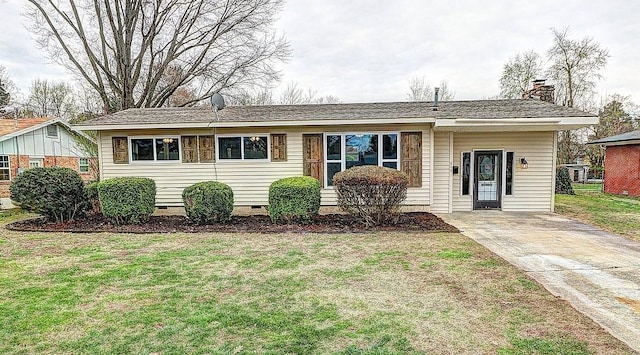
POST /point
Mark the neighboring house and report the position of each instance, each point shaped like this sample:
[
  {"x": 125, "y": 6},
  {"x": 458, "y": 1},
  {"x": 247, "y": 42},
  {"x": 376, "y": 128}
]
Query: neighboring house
[
  {"x": 37, "y": 142},
  {"x": 622, "y": 163},
  {"x": 578, "y": 172},
  {"x": 459, "y": 156}
]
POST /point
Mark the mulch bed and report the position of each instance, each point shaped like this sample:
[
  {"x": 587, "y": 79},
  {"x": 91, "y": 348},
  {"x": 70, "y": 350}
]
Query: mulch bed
[{"x": 330, "y": 223}]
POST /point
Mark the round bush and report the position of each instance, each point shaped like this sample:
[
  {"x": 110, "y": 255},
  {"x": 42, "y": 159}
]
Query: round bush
[
  {"x": 371, "y": 193},
  {"x": 208, "y": 202},
  {"x": 127, "y": 200},
  {"x": 54, "y": 192},
  {"x": 294, "y": 199}
]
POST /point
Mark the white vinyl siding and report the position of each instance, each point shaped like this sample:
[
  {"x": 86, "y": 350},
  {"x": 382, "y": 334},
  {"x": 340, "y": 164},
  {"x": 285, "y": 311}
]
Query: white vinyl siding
[
  {"x": 532, "y": 190},
  {"x": 249, "y": 181},
  {"x": 441, "y": 172}
]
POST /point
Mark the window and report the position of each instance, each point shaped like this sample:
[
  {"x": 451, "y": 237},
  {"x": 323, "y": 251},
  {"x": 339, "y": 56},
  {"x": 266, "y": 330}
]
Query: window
[
  {"x": 52, "y": 131},
  {"x": 344, "y": 151},
  {"x": 243, "y": 148},
  {"x": 35, "y": 163},
  {"x": 466, "y": 172},
  {"x": 84, "y": 165},
  {"x": 5, "y": 171},
  {"x": 509, "y": 174},
  {"x": 155, "y": 149}
]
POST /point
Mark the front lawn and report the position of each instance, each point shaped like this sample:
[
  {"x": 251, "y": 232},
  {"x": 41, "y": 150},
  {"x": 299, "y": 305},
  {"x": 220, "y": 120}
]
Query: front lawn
[
  {"x": 615, "y": 213},
  {"x": 370, "y": 293}
]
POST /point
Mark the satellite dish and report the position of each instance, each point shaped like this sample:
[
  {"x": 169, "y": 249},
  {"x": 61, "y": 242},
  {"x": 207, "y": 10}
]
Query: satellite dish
[{"x": 217, "y": 101}]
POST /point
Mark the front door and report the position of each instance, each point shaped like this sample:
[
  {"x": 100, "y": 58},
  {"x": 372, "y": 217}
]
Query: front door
[{"x": 487, "y": 190}]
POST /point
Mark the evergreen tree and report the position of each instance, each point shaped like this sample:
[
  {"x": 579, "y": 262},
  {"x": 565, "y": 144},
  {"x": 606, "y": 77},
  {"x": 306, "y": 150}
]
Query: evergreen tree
[{"x": 4, "y": 95}]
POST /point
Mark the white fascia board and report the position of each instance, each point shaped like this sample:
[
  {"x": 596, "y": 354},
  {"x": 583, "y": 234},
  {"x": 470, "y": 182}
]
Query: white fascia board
[
  {"x": 234, "y": 124},
  {"x": 544, "y": 123}
]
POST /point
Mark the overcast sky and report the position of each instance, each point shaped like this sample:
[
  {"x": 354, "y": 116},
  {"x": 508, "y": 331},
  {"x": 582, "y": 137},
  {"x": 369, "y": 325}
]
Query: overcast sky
[{"x": 368, "y": 50}]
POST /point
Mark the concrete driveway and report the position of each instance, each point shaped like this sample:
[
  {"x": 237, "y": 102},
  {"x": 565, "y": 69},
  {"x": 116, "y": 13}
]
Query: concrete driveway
[{"x": 596, "y": 271}]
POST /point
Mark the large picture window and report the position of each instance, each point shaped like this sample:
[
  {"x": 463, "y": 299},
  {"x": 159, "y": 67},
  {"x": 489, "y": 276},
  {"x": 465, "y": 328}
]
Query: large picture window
[
  {"x": 344, "y": 151},
  {"x": 155, "y": 149},
  {"x": 243, "y": 148}
]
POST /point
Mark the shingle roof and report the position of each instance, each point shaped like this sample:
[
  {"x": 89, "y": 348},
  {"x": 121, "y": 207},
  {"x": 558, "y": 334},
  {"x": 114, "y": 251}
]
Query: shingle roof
[
  {"x": 629, "y": 136},
  {"x": 9, "y": 126},
  {"x": 479, "y": 109}
]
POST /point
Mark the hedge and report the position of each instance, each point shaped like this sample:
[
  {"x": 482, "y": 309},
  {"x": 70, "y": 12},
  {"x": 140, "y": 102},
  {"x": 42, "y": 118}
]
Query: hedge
[
  {"x": 208, "y": 202},
  {"x": 294, "y": 199},
  {"x": 127, "y": 200}
]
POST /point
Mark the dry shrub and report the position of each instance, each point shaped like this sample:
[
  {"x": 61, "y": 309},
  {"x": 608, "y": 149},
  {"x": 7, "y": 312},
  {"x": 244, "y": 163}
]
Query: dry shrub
[{"x": 371, "y": 193}]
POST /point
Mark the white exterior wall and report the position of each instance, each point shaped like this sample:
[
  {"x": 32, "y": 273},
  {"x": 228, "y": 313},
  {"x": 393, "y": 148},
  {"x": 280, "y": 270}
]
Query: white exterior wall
[
  {"x": 36, "y": 144},
  {"x": 532, "y": 187},
  {"x": 249, "y": 180},
  {"x": 441, "y": 172}
]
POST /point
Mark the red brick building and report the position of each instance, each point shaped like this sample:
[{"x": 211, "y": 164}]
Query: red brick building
[
  {"x": 40, "y": 142},
  {"x": 622, "y": 163}
]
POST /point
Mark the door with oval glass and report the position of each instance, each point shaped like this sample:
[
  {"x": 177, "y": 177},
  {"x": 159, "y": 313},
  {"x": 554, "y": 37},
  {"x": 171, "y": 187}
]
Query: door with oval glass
[{"x": 487, "y": 190}]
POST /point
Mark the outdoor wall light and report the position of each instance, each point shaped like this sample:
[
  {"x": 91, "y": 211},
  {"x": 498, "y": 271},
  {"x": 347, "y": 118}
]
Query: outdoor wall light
[{"x": 524, "y": 163}]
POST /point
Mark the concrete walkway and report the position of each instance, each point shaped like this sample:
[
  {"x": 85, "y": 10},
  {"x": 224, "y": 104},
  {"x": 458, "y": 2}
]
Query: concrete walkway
[{"x": 597, "y": 272}]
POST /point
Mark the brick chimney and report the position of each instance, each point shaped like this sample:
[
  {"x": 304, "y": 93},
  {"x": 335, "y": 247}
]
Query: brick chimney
[{"x": 540, "y": 91}]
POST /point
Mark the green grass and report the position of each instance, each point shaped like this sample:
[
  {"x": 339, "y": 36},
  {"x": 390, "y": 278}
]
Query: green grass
[
  {"x": 378, "y": 293},
  {"x": 617, "y": 214}
]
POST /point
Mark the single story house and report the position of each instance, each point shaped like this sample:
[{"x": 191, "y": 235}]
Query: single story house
[
  {"x": 459, "y": 155},
  {"x": 622, "y": 163},
  {"x": 38, "y": 142},
  {"x": 579, "y": 171}
]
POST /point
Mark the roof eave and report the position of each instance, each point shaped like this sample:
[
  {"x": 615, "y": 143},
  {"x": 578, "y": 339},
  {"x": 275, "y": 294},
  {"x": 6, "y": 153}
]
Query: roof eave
[{"x": 232, "y": 124}]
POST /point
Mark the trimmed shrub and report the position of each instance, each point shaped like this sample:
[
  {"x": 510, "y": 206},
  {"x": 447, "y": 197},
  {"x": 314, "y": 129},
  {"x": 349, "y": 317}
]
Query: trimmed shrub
[
  {"x": 371, "y": 193},
  {"x": 208, "y": 202},
  {"x": 127, "y": 200},
  {"x": 294, "y": 199},
  {"x": 563, "y": 181},
  {"x": 92, "y": 196},
  {"x": 54, "y": 192}
]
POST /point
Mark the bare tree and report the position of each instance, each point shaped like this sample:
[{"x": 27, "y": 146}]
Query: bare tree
[
  {"x": 51, "y": 99},
  {"x": 519, "y": 73},
  {"x": 123, "y": 49},
  {"x": 576, "y": 67},
  {"x": 445, "y": 93},
  {"x": 421, "y": 90},
  {"x": 294, "y": 95}
]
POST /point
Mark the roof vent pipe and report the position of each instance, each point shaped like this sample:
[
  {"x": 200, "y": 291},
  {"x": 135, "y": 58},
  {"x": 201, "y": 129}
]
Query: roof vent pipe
[{"x": 435, "y": 99}]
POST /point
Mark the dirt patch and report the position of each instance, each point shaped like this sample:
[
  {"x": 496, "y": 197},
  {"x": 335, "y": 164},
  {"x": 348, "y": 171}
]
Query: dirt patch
[{"x": 330, "y": 223}]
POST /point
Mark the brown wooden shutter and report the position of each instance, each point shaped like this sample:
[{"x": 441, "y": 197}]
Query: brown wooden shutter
[
  {"x": 278, "y": 147},
  {"x": 189, "y": 149},
  {"x": 411, "y": 157},
  {"x": 120, "y": 150},
  {"x": 313, "y": 156},
  {"x": 207, "y": 149}
]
